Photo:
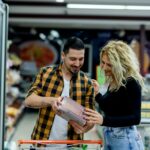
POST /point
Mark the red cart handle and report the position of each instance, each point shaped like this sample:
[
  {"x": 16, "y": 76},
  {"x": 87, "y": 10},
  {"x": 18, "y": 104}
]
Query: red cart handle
[{"x": 60, "y": 142}]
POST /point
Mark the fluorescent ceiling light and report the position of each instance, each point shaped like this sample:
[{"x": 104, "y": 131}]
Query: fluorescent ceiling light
[
  {"x": 138, "y": 7},
  {"x": 88, "y": 6},
  {"x": 60, "y": 1}
]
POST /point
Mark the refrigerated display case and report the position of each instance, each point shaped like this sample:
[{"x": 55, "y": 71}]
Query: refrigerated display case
[{"x": 3, "y": 41}]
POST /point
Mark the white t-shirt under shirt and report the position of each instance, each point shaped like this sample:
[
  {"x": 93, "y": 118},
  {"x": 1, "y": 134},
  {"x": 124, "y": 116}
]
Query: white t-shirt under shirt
[{"x": 60, "y": 125}]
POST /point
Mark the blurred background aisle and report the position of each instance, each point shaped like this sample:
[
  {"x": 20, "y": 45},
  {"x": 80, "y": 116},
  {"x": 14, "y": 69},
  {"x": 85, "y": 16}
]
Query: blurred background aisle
[{"x": 36, "y": 31}]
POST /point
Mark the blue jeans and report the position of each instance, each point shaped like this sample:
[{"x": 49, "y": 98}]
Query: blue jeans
[{"x": 123, "y": 138}]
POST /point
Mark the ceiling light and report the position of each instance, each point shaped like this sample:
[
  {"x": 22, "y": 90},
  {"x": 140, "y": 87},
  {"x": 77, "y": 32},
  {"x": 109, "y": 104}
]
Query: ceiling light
[
  {"x": 88, "y": 6},
  {"x": 60, "y": 1},
  {"x": 138, "y": 7}
]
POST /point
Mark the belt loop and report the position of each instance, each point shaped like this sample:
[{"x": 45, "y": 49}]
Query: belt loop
[
  {"x": 132, "y": 127},
  {"x": 111, "y": 129}
]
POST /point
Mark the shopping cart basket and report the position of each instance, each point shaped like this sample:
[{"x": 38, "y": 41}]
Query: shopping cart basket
[{"x": 71, "y": 144}]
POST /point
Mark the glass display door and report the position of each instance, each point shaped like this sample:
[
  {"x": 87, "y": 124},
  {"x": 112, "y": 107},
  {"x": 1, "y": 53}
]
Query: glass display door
[{"x": 3, "y": 40}]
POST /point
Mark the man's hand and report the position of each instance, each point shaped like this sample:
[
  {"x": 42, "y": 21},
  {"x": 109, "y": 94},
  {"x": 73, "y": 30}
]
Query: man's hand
[
  {"x": 88, "y": 126},
  {"x": 80, "y": 129},
  {"x": 36, "y": 101},
  {"x": 56, "y": 103}
]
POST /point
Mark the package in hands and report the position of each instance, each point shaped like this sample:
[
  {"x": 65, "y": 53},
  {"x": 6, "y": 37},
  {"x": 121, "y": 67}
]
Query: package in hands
[{"x": 71, "y": 110}]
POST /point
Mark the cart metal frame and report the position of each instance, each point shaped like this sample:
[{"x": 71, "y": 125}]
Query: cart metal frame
[{"x": 68, "y": 142}]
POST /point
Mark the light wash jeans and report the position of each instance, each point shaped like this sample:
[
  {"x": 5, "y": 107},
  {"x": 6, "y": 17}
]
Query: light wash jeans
[{"x": 123, "y": 138}]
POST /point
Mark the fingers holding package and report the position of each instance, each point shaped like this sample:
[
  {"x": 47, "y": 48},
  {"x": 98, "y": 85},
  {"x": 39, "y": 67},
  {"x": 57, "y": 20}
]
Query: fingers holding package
[
  {"x": 93, "y": 116},
  {"x": 56, "y": 103},
  {"x": 77, "y": 128}
]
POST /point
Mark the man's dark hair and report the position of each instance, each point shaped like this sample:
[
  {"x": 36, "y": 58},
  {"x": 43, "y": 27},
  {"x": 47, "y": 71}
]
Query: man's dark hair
[{"x": 74, "y": 43}]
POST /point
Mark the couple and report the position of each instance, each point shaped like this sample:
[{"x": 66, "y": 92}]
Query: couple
[{"x": 121, "y": 105}]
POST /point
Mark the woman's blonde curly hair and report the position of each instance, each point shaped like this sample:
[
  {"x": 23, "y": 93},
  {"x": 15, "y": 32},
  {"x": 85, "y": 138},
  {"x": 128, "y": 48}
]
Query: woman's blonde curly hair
[{"x": 124, "y": 63}]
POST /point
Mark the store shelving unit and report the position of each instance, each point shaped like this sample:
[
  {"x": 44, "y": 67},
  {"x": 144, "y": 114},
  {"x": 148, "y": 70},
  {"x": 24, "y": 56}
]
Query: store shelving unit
[{"x": 145, "y": 112}]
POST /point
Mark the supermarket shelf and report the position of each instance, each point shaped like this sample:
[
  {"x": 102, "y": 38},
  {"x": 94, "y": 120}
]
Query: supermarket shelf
[
  {"x": 11, "y": 124},
  {"x": 145, "y": 112}
]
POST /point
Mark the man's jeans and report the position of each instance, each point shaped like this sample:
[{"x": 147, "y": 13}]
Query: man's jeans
[{"x": 124, "y": 138}]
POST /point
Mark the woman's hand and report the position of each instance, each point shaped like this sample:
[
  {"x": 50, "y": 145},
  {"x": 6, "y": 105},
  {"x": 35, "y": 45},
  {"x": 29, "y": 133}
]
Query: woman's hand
[
  {"x": 93, "y": 117},
  {"x": 96, "y": 86}
]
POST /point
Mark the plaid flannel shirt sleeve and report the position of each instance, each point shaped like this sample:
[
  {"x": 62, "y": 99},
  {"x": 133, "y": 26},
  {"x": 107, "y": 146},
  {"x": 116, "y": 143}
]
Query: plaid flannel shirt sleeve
[{"x": 36, "y": 86}]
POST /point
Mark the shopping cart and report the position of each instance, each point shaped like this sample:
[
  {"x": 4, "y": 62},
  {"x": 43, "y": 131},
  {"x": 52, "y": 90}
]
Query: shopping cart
[{"x": 71, "y": 144}]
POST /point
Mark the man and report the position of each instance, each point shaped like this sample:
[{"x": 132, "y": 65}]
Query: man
[{"x": 51, "y": 84}]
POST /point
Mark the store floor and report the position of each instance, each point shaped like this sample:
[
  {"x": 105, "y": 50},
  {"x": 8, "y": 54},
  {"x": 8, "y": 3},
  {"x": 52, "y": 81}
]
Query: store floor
[{"x": 26, "y": 123}]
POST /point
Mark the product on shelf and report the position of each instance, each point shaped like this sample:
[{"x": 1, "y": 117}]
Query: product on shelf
[{"x": 13, "y": 112}]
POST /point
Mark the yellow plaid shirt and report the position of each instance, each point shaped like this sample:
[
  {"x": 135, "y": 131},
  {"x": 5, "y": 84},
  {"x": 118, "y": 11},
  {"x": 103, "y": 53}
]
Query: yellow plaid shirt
[{"x": 49, "y": 82}]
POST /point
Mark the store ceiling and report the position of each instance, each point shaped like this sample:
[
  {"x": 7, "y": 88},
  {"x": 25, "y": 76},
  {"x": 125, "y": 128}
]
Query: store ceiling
[{"x": 49, "y": 13}]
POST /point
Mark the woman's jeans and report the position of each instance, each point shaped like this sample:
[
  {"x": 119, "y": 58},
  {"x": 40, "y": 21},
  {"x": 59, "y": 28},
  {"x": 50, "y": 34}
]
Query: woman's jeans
[{"x": 123, "y": 138}]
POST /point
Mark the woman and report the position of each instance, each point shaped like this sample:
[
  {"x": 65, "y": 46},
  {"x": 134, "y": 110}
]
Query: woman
[{"x": 121, "y": 104}]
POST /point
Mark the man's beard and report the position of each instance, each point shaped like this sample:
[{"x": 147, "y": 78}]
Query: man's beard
[
  {"x": 74, "y": 72},
  {"x": 71, "y": 69}
]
